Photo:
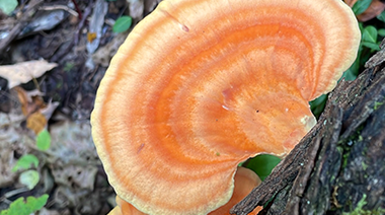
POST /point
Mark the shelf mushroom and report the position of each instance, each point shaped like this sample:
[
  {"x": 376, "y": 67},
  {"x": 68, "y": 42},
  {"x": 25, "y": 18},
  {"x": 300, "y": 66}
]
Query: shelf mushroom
[
  {"x": 201, "y": 85},
  {"x": 244, "y": 182}
]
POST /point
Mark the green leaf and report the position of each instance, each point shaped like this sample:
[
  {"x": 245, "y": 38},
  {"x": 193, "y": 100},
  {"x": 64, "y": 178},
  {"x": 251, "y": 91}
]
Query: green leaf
[
  {"x": 381, "y": 17},
  {"x": 318, "y": 105},
  {"x": 7, "y": 6},
  {"x": 361, "y": 26},
  {"x": 263, "y": 164},
  {"x": 43, "y": 140},
  {"x": 352, "y": 73},
  {"x": 371, "y": 45},
  {"x": 21, "y": 207},
  {"x": 25, "y": 162},
  {"x": 360, "y": 6},
  {"x": 381, "y": 32},
  {"x": 349, "y": 75},
  {"x": 37, "y": 203},
  {"x": 29, "y": 178},
  {"x": 369, "y": 34},
  {"x": 122, "y": 24}
]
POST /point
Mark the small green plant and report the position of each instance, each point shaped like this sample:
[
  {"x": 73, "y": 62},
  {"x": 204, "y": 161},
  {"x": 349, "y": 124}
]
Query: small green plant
[
  {"x": 360, "y": 211},
  {"x": 318, "y": 105},
  {"x": 372, "y": 36},
  {"x": 30, "y": 178},
  {"x": 262, "y": 164},
  {"x": 8, "y": 6},
  {"x": 21, "y": 207},
  {"x": 122, "y": 24},
  {"x": 43, "y": 140},
  {"x": 25, "y": 162},
  {"x": 68, "y": 66},
  {"x": 360, "y": 6},
  {"x": 370, "y": 42}
]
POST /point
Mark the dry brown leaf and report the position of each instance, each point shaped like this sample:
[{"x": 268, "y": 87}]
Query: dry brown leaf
[
  {"x": 136, "y": 8},
  {"x": 36, "y": 122},
  {"x": 30, "y": 101},
  {"x": 24, "y": 100},
  {"x": 33, "y": 106},
  {"x": 375, "y": 9},
  {"x": 149, "y": 5},
  {"x": 25, "y": 71},
  {"x": 48, "y": 109},
  {"x": 350, "y": 3}
]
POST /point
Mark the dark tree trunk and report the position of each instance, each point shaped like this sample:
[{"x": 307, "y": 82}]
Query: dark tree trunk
[{"x": 339, "y": 167}]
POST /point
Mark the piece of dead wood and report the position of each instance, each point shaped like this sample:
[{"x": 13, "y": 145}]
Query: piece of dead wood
[{"x": 339, "y": 166}]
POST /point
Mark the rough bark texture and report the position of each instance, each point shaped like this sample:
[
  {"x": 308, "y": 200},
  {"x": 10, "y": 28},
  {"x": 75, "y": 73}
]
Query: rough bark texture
[{"x": 339, "y": 167}]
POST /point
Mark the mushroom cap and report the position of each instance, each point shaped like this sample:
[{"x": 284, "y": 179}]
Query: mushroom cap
[
  {"x": 245, "y": 181},
  {"x": 201, "y": 85}
]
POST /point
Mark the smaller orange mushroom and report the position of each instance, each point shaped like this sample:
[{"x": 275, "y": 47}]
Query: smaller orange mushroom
[
  {"x": 244, "y": 182},
  {"x": 124, "y": 208}
]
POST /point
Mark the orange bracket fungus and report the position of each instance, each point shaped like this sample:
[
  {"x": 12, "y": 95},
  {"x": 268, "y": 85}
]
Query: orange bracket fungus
[
  {"x": 244, "y": 182},
  {"x": 201, "y": 85}
]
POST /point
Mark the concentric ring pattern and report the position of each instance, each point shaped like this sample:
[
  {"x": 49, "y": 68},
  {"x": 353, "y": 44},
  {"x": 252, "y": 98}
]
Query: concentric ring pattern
[{"x": 200, "y": 85}]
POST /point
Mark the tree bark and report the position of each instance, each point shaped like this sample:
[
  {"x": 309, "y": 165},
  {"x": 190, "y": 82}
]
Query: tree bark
[{"x": 339, "y": 166}]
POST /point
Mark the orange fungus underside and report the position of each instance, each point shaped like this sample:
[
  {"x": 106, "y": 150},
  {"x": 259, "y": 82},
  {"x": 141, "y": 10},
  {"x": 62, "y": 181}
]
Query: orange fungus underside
[
  {"x": 201, "y": 85},
  {"x": 244, "y": 182}
]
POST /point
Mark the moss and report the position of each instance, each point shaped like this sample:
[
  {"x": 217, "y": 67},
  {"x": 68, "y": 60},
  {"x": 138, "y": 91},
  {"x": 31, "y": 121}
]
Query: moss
[
  {"x": 377, "y": 105},
  {"x": 345, "y": 151},
  {"x": 344, "y": 146},
  {"x": 345, "y": 159},
  {"x": 360, "y": 138},
  {"x": 360, "y": 211},
  {"x": 364, "y": 166}
]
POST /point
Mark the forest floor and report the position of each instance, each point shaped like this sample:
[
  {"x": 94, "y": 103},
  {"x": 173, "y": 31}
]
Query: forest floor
[{"x": 56, "y": 53}]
